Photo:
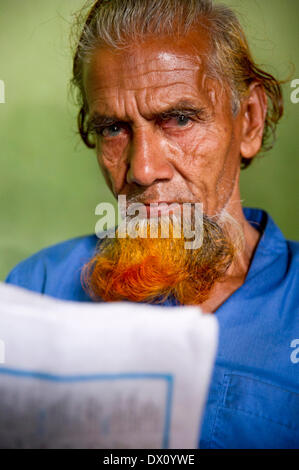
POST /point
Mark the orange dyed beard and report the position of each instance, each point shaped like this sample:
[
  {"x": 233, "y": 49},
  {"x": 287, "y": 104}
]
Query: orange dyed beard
[{"x": 152, "y": 270}]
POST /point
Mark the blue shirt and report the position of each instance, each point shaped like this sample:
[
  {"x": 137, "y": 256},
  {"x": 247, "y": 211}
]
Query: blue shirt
[{"x": 253, "y": 401}]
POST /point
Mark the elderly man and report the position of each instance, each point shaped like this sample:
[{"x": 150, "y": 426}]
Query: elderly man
[{"x": 174, "y": 105}]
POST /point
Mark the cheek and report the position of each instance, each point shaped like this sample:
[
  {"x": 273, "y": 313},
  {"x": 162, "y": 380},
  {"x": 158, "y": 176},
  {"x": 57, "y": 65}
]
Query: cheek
[
  {"x": 205, "y": 149},
  {"x": 113, "y": 162},
  {"x": 210, "y": 163},
  {"x": 111, "y": 151}
]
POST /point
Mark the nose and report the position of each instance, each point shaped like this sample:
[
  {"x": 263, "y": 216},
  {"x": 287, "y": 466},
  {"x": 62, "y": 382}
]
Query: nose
[{"x": 147, "y": 158}]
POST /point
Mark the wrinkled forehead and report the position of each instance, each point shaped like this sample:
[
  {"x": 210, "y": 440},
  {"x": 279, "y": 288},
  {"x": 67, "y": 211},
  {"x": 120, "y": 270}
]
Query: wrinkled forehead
[{"x": 155, "y": 63}]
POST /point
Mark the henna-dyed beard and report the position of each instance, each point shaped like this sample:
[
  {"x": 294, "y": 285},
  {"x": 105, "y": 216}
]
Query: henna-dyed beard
[{"x": 152, "y": 270}]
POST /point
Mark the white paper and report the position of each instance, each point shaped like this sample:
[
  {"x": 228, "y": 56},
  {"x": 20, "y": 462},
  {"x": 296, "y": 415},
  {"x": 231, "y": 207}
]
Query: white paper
[{"x": 102, "y": 375}]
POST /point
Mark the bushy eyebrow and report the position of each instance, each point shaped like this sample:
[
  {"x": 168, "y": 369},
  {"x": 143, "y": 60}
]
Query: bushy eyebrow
[
  {"x": 181, "y": 108},
  {"x": 98, "y": 120},
  {"x": 185, "y": 107}
]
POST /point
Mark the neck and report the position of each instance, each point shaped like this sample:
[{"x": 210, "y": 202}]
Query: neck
[
  {"x": 251, "y": 235},
  {"x": 237, "y": 272}
]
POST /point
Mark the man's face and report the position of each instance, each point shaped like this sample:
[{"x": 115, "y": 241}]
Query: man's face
[{"x": 164, "y": 130}]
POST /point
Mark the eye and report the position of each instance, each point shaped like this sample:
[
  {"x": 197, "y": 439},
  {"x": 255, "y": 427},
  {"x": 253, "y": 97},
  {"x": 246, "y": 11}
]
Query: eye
[
  {"x": 111, "y": 131},
  {"x": 180, "y": 120}
]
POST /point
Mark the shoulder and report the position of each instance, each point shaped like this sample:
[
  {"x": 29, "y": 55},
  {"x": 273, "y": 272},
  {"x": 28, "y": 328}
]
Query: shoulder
[
  {"x": 293, "y": 250},
  {"x": 290, "y": 278},
  {"x": 50, "y": 268}
]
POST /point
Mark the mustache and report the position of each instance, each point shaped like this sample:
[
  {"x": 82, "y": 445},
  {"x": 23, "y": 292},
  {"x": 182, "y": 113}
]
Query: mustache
[
  {"x": 222, "y": 217},
  {"x": 147, "y": 196}
]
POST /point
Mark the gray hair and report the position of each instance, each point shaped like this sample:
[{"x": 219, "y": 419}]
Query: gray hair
[{"x": 119, "y": 23}]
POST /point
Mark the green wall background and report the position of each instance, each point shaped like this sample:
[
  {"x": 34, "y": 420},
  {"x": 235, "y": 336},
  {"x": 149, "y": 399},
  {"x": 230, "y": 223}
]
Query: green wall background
[{"x": 50, "y": 184}]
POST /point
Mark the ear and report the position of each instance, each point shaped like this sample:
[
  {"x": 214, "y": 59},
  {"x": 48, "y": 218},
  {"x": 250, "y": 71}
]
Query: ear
[{"x": 254, "y": 110}]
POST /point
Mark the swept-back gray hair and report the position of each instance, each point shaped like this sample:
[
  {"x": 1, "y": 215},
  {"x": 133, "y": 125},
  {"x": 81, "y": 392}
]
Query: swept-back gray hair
[{"x": 119, "y": 23}]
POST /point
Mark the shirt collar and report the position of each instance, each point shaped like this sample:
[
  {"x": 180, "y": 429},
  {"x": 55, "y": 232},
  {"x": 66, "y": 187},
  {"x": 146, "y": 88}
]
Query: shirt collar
[
  {"x": 272, "y": 243},
  {"x": 269, "y": 262}
]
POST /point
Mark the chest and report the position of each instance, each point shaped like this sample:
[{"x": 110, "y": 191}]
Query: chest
[{"x": 253, "y": 400}]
